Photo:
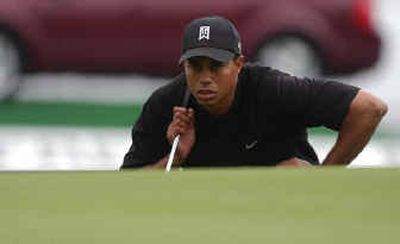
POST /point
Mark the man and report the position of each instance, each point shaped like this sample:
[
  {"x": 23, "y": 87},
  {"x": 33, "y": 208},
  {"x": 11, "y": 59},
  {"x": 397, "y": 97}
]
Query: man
[{"x": 244, "y": 115}]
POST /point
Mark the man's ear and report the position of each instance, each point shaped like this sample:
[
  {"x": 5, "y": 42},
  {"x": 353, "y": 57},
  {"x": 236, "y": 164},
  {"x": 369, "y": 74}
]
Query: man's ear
[{"x": 239, "y": 62}]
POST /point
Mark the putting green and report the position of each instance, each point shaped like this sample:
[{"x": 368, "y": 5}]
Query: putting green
[{"x": 263, "y": 205}]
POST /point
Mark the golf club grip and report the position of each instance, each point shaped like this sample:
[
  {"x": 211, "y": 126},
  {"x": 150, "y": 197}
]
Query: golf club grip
[{"x": 186, "y": 97}]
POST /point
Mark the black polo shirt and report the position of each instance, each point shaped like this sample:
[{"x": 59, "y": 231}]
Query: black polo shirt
[{"x": 266, "y": 124}]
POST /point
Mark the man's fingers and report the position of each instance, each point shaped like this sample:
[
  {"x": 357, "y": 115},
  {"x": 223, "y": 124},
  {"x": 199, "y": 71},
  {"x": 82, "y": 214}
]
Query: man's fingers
[
  {"x": 180, "y": 131},
  {"x": 173, "y": 131},
  {"x": 183, "y": 116},
  {"x": 179, "y": 110},
  {"x": 183, "y": 120},
  {"x": 191, "y": 115}
]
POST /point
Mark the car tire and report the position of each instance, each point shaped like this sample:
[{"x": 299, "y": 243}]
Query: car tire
[
  {"x": 10, "y": 67},
  {"x": 291, "y": 54}
]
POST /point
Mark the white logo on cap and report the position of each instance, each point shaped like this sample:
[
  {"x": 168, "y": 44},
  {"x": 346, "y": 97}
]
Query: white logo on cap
[{"x": 204, "y": 32}]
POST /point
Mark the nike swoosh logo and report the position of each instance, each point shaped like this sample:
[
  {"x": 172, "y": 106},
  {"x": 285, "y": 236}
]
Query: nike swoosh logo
[{"x": 251, "y": 145}]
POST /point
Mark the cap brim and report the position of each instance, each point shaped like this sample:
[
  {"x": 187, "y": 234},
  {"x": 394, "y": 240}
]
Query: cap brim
[{"x": 220, "y": 55}]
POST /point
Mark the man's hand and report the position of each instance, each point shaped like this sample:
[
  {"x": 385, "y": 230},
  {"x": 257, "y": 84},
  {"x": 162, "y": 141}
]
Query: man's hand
[
  {"x": 182, "y": 124},
  {"x": 294, "y": 162}
]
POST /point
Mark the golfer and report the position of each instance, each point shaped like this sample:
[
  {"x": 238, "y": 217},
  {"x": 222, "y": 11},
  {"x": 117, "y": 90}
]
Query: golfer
[{"x": 246, "y": 115}]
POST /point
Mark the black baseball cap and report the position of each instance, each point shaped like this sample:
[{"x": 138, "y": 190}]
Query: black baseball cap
[{"x": 213, "y": 36}]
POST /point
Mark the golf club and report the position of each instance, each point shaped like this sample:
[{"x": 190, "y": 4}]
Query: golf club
[{"x": 176, "y": 139}]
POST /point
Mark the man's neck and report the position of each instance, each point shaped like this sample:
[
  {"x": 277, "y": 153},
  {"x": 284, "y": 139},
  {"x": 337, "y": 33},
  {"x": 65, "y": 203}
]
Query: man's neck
[{"x": 217, "y": 111}]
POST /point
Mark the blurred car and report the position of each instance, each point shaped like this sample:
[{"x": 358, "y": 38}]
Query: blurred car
[{"x": 305, "y": 37}]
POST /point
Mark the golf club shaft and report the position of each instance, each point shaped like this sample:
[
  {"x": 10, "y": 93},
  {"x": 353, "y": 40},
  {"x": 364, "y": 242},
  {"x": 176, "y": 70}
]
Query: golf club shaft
[{"x": 172, "y": 154}]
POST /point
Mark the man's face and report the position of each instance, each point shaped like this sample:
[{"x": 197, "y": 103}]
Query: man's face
[{"x": 213, "y": 83}]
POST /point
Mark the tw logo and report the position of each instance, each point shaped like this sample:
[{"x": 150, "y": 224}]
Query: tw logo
[{"x": 204, "y": 32}]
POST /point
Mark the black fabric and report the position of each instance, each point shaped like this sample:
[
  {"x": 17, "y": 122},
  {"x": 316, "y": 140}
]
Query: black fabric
[{"x": 266, "y": 124}]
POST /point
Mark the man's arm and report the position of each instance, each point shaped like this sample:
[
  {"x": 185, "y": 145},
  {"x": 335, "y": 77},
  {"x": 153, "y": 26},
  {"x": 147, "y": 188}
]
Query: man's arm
[
  {"x": 148, "y": 136},
  {"x": 364, "y": 115},
  {"x": 183, "y": 125},
  {"x": 161, "y": 164}
]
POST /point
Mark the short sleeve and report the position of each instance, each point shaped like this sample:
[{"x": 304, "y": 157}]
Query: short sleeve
[{"x": 315, "y": 102}]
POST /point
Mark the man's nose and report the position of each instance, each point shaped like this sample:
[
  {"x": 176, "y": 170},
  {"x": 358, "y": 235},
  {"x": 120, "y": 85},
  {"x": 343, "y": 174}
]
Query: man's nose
[{"x": 206, "y": 76}]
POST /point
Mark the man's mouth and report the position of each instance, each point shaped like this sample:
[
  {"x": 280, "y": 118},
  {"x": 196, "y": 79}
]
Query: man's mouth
[{"x": 205, "y": 94}]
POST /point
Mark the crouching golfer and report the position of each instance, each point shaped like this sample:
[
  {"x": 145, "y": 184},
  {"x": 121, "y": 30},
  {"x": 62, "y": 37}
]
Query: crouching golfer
[{"x": 246, "y": 115}]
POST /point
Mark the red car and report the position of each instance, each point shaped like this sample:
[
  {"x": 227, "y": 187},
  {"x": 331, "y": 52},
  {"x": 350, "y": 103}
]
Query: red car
[{"x": 301, "y": 36}]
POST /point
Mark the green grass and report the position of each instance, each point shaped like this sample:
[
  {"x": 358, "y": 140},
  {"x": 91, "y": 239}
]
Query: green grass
[
  {"x": 260, "y": 205},
  {"x": 68, "y": 114}
]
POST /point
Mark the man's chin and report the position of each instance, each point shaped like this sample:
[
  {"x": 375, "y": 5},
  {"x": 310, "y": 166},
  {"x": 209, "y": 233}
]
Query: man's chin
[{"x": 207, "y": 102}]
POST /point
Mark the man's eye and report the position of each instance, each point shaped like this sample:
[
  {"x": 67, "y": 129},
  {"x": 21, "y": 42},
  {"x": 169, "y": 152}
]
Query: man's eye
[
  {"x": 215, "y": 65},
  {"x": 196, "y": 67}
]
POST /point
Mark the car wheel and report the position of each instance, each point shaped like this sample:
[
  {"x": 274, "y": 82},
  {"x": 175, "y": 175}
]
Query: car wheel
[
  {"x": 292, "y": 55},
  {"x": 10, "y": 67}
]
